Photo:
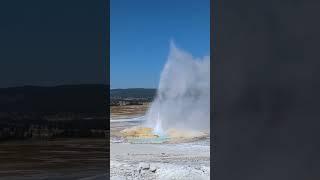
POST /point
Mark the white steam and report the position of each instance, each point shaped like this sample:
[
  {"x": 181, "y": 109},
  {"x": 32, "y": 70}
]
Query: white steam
[{"x": 183, "y": 98}]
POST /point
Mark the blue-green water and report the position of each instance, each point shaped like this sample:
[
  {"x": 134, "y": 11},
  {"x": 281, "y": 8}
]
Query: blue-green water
[{"x": 158, "y": 140}]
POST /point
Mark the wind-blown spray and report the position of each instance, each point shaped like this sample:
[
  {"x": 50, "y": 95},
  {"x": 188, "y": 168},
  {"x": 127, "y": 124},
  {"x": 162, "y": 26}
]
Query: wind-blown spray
[{"x": 183, "y": 96}]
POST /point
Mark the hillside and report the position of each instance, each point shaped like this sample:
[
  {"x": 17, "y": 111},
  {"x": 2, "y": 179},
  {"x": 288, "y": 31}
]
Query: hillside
[
  {"x": 132, "y": 93},
  {"x": 68, "y": 98},
  {"x": 53, "y": 112}
]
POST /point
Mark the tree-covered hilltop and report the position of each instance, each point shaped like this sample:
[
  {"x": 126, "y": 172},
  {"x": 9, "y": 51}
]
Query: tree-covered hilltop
[
  {"x": 86, "y": 98},
  {"x": 140, "y": 93}
]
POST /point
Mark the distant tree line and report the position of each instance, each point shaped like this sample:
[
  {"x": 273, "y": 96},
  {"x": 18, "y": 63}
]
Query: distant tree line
[
  {"x": 132, "y": 93},
  {"x": 133, "y": 96},
  {"x": 41, "y": 127}
]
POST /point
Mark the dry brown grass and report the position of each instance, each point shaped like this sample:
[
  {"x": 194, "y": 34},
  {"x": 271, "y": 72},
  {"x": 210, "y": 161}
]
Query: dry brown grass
[{"x": 129, "y": 111}]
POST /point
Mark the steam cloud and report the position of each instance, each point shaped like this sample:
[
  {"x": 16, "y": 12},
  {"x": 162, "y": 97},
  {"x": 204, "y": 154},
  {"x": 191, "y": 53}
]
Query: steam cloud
[{"x": 183, "y": 98}]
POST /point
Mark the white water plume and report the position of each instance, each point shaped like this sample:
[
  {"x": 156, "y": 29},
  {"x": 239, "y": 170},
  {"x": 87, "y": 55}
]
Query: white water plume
[
  {"x": 158, "y": 128},
  {"x": 183, "y": 96}
]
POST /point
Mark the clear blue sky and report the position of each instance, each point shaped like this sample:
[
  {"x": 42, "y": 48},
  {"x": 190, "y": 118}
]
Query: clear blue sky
[{"x": 140, "y": 31}]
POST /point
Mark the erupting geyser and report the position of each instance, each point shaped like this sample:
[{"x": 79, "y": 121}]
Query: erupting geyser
[
  {"x": 158, "y": 129},
  {"x": 181, "y": 109},
  {"x": 183, "y": 97}
]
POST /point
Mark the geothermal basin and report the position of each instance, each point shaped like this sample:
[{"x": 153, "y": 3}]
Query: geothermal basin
[
  {"x": 142, "y": 134},
  {"x": 137, "y": 152}
]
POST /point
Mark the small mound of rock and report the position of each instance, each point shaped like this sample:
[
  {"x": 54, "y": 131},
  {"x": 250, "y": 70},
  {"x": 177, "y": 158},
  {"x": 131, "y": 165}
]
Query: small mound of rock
[
  {"x": 147, "y": 167},
  {"x": 153, "y": 169},
  {"x": 145, "y": 171},
  {"x": 144, "y": 166}
]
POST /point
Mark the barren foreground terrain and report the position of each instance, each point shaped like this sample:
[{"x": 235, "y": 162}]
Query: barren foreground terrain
[
  {"x": 189, "y": 160},
  {"x": 58, "y": 160}
]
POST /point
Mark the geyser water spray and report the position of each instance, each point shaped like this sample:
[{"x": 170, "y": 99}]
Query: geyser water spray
[
  {"x": 183, "y": 96},
  {"x": 158, "y": 127}
]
